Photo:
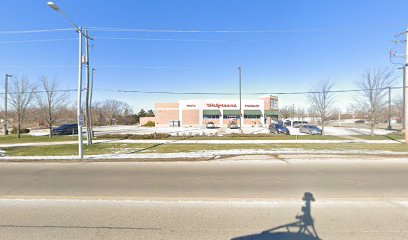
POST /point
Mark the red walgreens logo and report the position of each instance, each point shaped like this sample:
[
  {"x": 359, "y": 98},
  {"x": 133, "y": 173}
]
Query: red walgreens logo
[{"x": 218, "y": 105}]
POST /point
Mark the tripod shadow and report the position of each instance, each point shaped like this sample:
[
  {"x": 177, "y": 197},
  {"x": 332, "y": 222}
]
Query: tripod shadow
[
  {"x": 159, "y": 144},
  {"x": 302, "y": 229}
]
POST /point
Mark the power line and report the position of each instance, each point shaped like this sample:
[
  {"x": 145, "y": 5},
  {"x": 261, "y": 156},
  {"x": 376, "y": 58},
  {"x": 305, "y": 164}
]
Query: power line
[
  {"x": 142, "y": 39},
  {"x": 37, "y": 40},
  {"x": 35, "y": 66},
  {"x": 210, "y": 93},
  {"x": 166, "y": 92},
  {"x": 105, "y": 29},
  {"x": 99, "y": 66},
  {"x": 142, "y": 67},
  {"x": 40, "y": 91},
  {"x": 186, "y": 40},
  {"x": 145, "y": 30},
  {"x": 35, "y": 31},
  {"x": 250, "y": 93}
]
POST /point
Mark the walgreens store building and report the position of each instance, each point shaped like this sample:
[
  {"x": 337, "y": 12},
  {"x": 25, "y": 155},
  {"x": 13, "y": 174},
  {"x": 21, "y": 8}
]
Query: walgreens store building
[{"x": 196, "y": 113}]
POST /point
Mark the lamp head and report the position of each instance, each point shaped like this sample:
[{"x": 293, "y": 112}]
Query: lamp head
[{"x": 53, "y": 6}]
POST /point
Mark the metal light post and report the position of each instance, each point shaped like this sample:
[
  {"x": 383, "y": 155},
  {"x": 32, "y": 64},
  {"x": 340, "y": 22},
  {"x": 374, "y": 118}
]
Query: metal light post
[
  {"x": 5, "y": 131},
  {"x": 405, "y": 89},
  {"x": 79, "y": 115},
  {"x": 88, "y": 127},
  {"x": 240, "y": 99}
]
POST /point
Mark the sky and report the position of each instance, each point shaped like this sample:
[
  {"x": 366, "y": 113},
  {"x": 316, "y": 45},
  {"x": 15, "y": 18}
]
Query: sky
[{"x": 282, "y": 46}]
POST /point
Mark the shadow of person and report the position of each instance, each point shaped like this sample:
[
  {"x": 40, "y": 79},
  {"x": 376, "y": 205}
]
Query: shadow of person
[{"x": 302, "y": 229}]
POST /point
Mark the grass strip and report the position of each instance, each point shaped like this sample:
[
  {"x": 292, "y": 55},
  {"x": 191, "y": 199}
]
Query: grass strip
[
  {"x": 9, "y": 139},
  {"x": 117, "y": 148}
]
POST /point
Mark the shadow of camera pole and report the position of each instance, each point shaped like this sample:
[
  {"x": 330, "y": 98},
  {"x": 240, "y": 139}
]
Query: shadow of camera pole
[{"x": 303, "y": 229}]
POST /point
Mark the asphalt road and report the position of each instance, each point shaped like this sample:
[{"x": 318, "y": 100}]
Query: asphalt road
[{"x": 203, "y": 200}]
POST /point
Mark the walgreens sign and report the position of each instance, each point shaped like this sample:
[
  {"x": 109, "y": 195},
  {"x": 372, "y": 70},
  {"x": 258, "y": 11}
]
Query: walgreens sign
[
  {"x": 223, "y": 105},
  {"x": 220, "y": 104}
]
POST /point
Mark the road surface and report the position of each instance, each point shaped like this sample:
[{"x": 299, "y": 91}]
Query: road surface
[{"x": 202, "y": 200}]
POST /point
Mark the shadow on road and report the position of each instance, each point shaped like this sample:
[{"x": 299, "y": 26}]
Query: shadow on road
[
  {"x": 394, "y": 139},
  {"x": 303, "y": 229},
  {"x": 159, "y": 144}
]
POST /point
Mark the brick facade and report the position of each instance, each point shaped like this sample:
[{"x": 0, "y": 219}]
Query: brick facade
[
  {"x": 166, "y": 112},
  {"x": 196, "y": 113}
]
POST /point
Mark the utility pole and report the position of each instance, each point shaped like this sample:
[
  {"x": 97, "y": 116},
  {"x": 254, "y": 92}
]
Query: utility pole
[
  {"x": 80, "y": 117},
  {"x": 90, "y": 103},
  {"x": 403, "y": 97},
  {"x": 79, "y": 99},
  {"x": 240, "y": 99},
  {"x": 5, "y": 131},
  {"x": 389, "y": 108},
  {"x": 339, "y": 117},
  {"x": 88, "y": 127},
  {"x": 405, "y": 88}
]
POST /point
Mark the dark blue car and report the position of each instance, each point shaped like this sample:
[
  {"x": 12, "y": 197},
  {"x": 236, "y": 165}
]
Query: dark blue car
[
  {"x": 278, "y": 128},
  {"x": 66, "y": 129}
]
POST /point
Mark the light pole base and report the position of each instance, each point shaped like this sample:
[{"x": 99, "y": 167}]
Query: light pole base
[{"x": 5, "y": 130}]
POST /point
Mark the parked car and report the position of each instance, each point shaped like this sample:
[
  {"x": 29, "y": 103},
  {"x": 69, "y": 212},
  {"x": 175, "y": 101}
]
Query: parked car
[
  {"x": 297, "y": 124},
  {"x": 288, "y": 123},
  {"x": 360, "y": 121},
  {"x": 277, "y": 128},
  {"x": 66, "y": 129},
  {"x": 210, "y": 125},
  {"x": 232, "y": 125},
  {"x": 310, "y": 129}
]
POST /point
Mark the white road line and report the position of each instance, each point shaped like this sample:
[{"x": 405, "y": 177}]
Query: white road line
[{"x": 357, "y": 202}]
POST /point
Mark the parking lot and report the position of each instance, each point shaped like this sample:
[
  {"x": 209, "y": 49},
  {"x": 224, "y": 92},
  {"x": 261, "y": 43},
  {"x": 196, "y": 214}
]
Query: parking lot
[{"x": 193, "y": 131}]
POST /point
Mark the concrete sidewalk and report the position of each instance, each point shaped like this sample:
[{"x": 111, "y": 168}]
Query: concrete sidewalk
[
  {"x": 277, "y": 156},
  {"x": 152, "y": 141}
]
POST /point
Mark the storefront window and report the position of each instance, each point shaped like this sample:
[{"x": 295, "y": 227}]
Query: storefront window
[
  {"x": 231, "y": 117},
  {"x": 252, "y": 116},
  {"x": 211, "y": 117},
  {"x": 274, "y": 104}
]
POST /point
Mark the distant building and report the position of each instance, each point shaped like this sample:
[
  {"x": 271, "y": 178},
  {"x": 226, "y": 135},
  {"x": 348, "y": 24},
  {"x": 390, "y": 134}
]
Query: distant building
[{"x": 185, "y": 113}]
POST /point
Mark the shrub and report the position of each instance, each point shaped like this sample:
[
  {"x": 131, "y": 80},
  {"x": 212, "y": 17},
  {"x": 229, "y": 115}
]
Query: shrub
[
  {"x": 134, "y": 136},
  {"x": 22, "y": 130},
  {"x": 149, "y": 124}
]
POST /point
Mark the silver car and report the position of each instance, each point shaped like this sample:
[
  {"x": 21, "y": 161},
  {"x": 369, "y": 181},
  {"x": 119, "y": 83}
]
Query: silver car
[
  {"x": 210, "y": 125},
  {"x": 233, "y": 125},
  {"x": 310, "y": 129}
]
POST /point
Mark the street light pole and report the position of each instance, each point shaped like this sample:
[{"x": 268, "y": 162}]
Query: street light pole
[
  {"x": 88, "y": 127},
  {"x": 240, "y": 98},
  {"x": 79, "y": 115},
  {"x": 79, "y": 98},
  {"x": 405, "y": 89},
  {"x": 5, "y": 131}
]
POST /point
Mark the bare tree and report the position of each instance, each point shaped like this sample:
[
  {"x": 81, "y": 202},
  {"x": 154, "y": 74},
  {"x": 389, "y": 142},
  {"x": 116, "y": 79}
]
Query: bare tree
[
  {"x": 398, "y": 108},
  {"x": 321, "y": 100},
  {"x": 21, "y": 94},
  {"x": 374, "y": 87},
  {"x": 286, "y": 112},
  {"x": 312, "y": 114},
  {"x": 300, "y": 113},
  {"x": 51, "y": 102},
  {"x": 109, "y": 110}
]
